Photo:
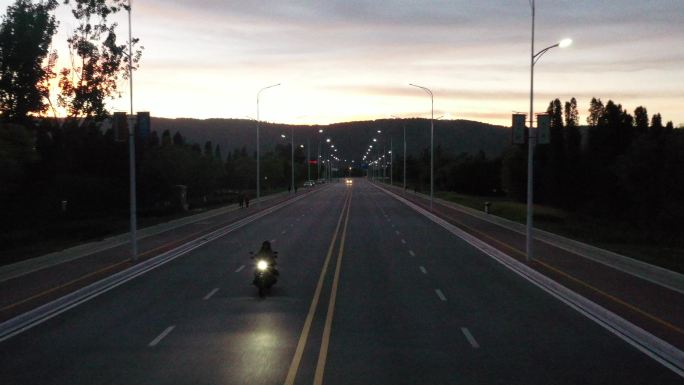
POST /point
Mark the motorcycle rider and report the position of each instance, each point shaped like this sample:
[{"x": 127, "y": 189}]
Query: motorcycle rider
[{"x": 267, "y": 254}]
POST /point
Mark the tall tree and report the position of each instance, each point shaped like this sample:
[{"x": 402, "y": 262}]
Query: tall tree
[
  {"x": 26, "y": 63},
  {"x": 641, "y": 120},
  {"x": 595, "y": 111},
  {"x": 99, "y": 61},
  {"x": 208, "y": 149},
  {"x": 656, "y": 125},
  {"x": 573, "y": 138}
]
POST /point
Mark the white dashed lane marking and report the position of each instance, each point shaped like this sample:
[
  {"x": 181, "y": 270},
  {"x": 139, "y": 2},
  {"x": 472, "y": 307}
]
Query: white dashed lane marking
[
  {"x": 206, "y": 297},
  {"x": 161, "y": 336},
  {"x": 470, "y": 338}
]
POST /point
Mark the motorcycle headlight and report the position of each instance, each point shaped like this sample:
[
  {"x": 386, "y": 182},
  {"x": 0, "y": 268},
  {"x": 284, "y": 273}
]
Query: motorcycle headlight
[{"x": 262, "y": 265}]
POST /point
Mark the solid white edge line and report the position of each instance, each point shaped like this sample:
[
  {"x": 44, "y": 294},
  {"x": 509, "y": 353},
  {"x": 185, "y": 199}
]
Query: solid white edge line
[
  {"x": 659, "y": 350},
  {"x": 470, "y": 338},
  {"x": 239, "y": 269},
  {"x": 161, "y": 336},
  {"x": 43, "y": 313},
  {"x": 206, "y": 297},
  {"x": 422, "y": 269},
  {"x": 440, "y": 294}
]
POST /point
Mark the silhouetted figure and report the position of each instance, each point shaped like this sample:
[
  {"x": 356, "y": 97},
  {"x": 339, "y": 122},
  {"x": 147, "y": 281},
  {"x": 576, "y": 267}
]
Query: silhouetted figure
[
  {"x": 247, "y": 201},
  {"x": 241, "y": 200}
]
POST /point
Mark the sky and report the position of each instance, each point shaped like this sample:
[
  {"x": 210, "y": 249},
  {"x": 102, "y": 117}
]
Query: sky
[{"x": 344, "y": 60}]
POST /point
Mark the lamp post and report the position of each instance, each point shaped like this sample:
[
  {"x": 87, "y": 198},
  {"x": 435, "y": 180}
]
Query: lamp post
[
  {"x": 432, "y": 142},
  {"x": 534, "y": 58},
  {"x": 131, "y": 148},
  {"x": 292, "y": 158},
  {"x": 258, "y": 181},
  {"x": 308, "y": 159},
  {"x": 318, "y": 161}
]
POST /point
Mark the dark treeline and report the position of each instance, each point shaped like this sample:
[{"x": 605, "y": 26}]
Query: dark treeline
[
  {"x": 85, "y": 166},
  {"x": 60, "y": 171},
  {"x": 622, "y": 167}
]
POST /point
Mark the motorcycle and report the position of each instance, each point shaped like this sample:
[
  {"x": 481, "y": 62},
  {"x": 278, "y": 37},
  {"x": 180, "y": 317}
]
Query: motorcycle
[{"x": 265, "y": 272}]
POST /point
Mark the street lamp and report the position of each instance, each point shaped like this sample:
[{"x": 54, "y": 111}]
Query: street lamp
[
  {"x": 258, "y": 184},
  {"x": 131, "y": 148},
  {"x": 534, "y": 58},
  {"x": 292, "y": 187},
  {"x": 432, "y": 142}
]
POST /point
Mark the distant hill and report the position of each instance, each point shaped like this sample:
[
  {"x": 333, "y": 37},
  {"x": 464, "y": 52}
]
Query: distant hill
[{"x": 351, "y": 138}]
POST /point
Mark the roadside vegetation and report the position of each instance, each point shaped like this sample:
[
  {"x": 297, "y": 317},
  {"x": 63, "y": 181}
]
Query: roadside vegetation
[{"x": 615, "y": 236}]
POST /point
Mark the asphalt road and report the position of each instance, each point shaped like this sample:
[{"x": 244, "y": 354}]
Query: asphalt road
[{"x": 370, "y": 293}]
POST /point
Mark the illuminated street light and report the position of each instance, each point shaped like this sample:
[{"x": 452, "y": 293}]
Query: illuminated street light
[
  {"x": 258, "y": 185},
  {"x": 432, "y": 142},
  {"x": 534, "y": 58}
]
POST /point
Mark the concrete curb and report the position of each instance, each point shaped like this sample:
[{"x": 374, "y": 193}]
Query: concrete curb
[
  {"x": 52, "y": 309},
  {"x": 31, "y": 265},
  {"x": 655, "y": 274},
  {"x": 654, "y": 347}
]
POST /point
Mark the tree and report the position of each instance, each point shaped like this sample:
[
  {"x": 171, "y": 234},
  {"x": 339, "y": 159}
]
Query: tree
[
  {"x": 99, "y": 62},
  {"x": 178, "y": 139},
  {"x": 641, "y": 120},
  {"x": 217, "y": 153},
  {"x": 514, "y": 173},
  {"x": 208, "y": 149},
  {"x": 656, "y": 125},
  {"x": 166, "y": 138},
  {"x": 573, "y": 138},
  {"x": 554, "y": 171},
  {"x": 25, "y": 36},
  {"x": 595, "y": 111}
]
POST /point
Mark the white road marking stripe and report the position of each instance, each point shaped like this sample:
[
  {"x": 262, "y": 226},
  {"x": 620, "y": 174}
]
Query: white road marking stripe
[
  {"x": 239, "y": 269},
  {"x": 283, "y": 232},
  {"x": 273, "y": 240},
  {"x": 206, "y": 297},
  {"x": 161, "y": 336},
  {"x": 412, "y": 253},
  {"x": 422, "y": 269},
  {"x": 403, "y": 241},
  {"x": 396, "y": 232},
  {"x": 440, "y": 294},
  {"x": 470, "y": 338}
]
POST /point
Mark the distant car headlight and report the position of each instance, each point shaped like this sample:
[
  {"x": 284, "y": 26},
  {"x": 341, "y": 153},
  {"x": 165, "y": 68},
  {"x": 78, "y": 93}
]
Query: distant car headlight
[{"x": 262, "y": 265}]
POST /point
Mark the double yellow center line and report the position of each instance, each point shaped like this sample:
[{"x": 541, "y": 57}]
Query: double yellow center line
[{"x": 304, "y": 336}]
